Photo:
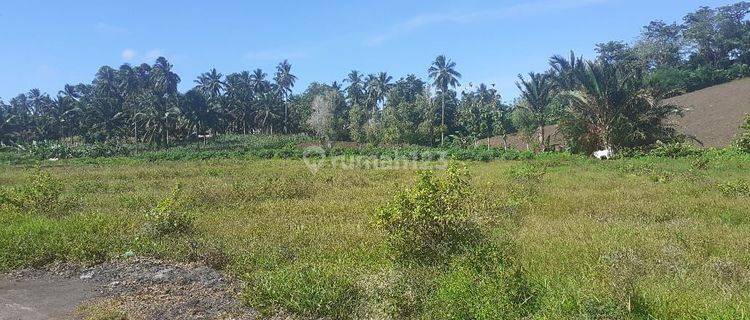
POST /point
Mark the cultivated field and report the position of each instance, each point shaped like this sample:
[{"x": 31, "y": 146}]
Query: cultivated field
[{"x": 631, "y": 238}]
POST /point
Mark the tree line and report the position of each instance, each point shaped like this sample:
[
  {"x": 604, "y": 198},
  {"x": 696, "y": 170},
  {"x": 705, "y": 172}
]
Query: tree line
[{"x": 612, "y": 101}]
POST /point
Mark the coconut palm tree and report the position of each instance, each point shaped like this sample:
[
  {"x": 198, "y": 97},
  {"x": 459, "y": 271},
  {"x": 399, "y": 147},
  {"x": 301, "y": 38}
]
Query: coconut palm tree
[
  {"x": 565, "y": 71},
  {"x": 240, "y": 99},
  {"x": 355, "y": 88},
  {"x": 259, "y": 81},
  {"x": 377, "y": 89},
  {"x": 284, "y": 84},
  {"x": 444, "y": 75},
  {"x": 210, "y": 84},
  {"x": 163, "y": 80},
  {"x": 537, "y": 93}
]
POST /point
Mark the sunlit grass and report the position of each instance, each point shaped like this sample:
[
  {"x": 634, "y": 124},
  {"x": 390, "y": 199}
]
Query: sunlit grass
[{"x": 628, "y": 238}]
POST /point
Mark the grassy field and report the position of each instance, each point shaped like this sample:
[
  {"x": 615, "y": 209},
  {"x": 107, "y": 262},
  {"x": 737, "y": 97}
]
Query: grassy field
[{"x": 642, "y": 238}]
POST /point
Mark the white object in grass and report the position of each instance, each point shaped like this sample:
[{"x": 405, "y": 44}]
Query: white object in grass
[{"x": 604, "y": 154}]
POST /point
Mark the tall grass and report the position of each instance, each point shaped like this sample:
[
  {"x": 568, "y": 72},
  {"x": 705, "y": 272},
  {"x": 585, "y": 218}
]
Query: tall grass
[{"x": 645, "y": 237}]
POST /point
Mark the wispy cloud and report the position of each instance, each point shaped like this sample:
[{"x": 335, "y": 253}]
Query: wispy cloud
[
  {"x": 266, "y": 55},
  {"x": 132, "y": 55},
  {"x": 129, "y": 54},
  {"x": 110, "y": 30},
  {"x": 521, "y": 9}
]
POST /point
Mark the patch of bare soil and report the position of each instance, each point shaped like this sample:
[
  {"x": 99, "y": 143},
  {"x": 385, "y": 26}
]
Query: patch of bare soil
[
  {"x": 141, "y": 288},
  {"x": 714, "y": 115}
]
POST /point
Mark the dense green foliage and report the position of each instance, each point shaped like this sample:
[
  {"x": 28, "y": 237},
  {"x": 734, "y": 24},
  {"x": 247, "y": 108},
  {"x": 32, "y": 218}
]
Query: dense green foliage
[
  {"x": 141, "y": 104},
  {"x": 710, "y": 46},
  {"x": 743, "y": 139}
]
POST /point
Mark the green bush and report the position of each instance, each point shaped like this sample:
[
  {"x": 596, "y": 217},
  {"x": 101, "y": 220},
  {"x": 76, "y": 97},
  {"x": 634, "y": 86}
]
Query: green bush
[
  {"x": 42, "y": 196},
  {"x": 167, "y": 218},
  {"x": 688, "y": 80},
  {"x": 303, "y": 290},
  {"x": 430, "y": 221},
  {"x": 743, "y": 139},
  {"x": 676, "y": 150}
]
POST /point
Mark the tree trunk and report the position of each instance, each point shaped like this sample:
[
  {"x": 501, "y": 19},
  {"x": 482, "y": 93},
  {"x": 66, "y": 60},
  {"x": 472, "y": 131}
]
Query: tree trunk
[
  {"x": 442, "y": 121},
  {"x": 542, "y": 141},
  {"x": 285, "y": 118}
]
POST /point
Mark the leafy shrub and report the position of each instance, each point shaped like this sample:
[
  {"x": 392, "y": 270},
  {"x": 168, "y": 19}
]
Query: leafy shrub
[
  {"x": 303, "y": 290},
  {"x": 688, "y": 80},
  {"x": 676, "y": 150},
  {"x": 166, "y": 218},
  {"x": 430, "y": 221},
  {"x": 43, "y": 196},
  {"x": 743, "y": 139},
  {"x": 738, "y": 188}
]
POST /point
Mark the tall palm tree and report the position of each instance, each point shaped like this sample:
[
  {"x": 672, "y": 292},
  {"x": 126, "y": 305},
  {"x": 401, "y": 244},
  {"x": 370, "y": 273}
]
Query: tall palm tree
[
  {"x": 240, "y": 99},
  {"x": 163, "y": 80},
  {"x": 377, "y": 89},
  {"x": 355, "y": 88},
  {"x": 210, "y": 84},
  {"x": 444, "y": 75},
  {"x": 538, "y": 94},
  {"x": 565, "y": 71},
  {"x": 161, "y": 104},
  {"x": 284, "y": 83},
  {"x": 259, "y": 80}
]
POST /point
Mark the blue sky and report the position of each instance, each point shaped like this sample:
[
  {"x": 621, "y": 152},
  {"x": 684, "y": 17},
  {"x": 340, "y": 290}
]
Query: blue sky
[{"x": 45, "y": 44}]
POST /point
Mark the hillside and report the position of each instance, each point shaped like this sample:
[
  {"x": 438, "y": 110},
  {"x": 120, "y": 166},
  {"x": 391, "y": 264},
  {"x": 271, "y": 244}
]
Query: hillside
[{"x": 713, "y": 115}]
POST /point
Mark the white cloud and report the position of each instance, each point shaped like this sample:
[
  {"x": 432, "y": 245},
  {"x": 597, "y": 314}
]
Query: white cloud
[
  {"x": 129, "y": 54},
  {"x": 521, "y": 9},
  {"x": 153, "y": 54},
  {"x": 132, "y": 55}
]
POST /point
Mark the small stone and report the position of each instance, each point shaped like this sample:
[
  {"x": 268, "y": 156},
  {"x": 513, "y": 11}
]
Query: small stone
[
  {"x": 87, "y": 275},
  {"x": 163, "y": 274}
]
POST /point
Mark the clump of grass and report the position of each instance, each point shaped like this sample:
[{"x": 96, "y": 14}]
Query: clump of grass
[
  {"x": 102, "y": 311},
  {"x": 734, "y": 189},
  {"x": 526, "y": 180},
  {"x": 212, "y": 254},
  {"x": 304, "y": 290},
  {"x": 167, "y": 218},
  {"x": 430, "y": 221},
  {"x": 626, "y": 270},
  {"x": 481, "y": 284},
  {"x": 42, "y": 196},
  {"x": 700, "y": 163}
]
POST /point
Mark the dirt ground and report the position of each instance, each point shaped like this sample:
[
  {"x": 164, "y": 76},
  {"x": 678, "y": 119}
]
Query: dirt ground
[
  {"x": 713, "y": 115},
  {"x": 140, "y": 288},
  {"x": 42, "y": 298}
]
